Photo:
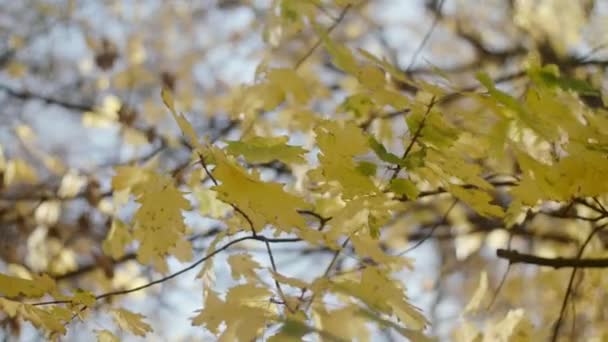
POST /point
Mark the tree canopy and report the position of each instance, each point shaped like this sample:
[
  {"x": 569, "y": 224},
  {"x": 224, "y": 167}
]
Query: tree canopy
[{"x": 303, "y": 170}]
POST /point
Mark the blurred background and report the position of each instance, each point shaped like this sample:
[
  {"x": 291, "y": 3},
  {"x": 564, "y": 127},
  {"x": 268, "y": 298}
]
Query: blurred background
[{"x": 79, "y": 95}]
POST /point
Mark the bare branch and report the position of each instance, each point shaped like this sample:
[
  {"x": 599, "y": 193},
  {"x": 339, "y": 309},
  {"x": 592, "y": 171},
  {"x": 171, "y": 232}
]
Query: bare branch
[{"x": 516, "y": 257}]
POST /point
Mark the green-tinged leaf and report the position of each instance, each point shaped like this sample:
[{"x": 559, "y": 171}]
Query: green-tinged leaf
[
  {"x": 293, "y": 329},
  {"x": 341, "y": 55},
  {"x": 404, "y": 187},
  {"x": 358, "y": 104},
  {"x": 501, "y": 96},
  {"x": 339, "y": 143},
  {"x": 291, "y": 83},
  {"x": 267, "y": 149},
  {"x": 367, "y": 168},
  {"x": 383, "y": 154},
  {"x": 550, "y": 76}
]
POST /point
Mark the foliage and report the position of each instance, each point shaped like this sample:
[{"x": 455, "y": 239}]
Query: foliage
[{"x": 334, "y": 150}]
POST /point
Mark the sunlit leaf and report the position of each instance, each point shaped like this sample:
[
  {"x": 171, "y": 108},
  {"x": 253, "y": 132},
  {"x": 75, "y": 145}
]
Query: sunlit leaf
[
  {"x": 132, "y": 322},
  {"x": 267, "y": 149}
]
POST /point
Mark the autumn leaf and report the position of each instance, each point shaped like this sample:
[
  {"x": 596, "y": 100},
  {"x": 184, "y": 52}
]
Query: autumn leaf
[
  {"x": 106, "y": 336},
  {"x": 263, "y": 203},
  {"x": 133, "y": 322},
  {"x": 243, "y": 311},
  {"x": 36, "y": 287},
  {"x": 265, "y": 150},
  {"x": 117, "y": 239},
  {"x": 159, "y": 223},
  {"x": 480, "y": 294}
]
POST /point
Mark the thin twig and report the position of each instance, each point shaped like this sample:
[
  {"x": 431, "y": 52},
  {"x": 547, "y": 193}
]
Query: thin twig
[
  {"x": 182, "y": 271},
  {"x": 204, "y": 164},
  {"x": 503, "y": 280},
  {"x": 426, "y": 37},
  {"x": 326, "y": 273},
  {"x": 431, "y": 230},
  {"x": 276, "y": 282},
  {"x": 320, "y": 40},
  {"x": 558, "y": 323},
  {"x": 414, "y": 138}
]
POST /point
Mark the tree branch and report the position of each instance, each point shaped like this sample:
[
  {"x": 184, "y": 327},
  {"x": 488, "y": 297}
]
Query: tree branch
[
  {"x": 516, "y": 257},
  {"x": 180, "y": 272}
]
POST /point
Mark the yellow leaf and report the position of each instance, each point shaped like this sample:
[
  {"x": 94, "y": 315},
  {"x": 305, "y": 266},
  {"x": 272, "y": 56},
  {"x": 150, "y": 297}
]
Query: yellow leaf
[
  {"x": 341, "y": 139},
  {"x": 297, "y": 283},
  {"x": 135, "y": 137},
  {"x": 251, "y": 99},
  {"x": 410, "y": 334},
  {"x": 15, "y": 69},
  {"x": 361, "y": 105},
  {"x": 394, "y": 71},
  {"x": 243, "y": 265},
  {"x": 116, "y": 241},
  {"x": 182, "y": 122},
  {"x": 128, "y": 176},
  {"x": 361, "y": 213},
  {"x": 263, "y": 203},
  {"x": 338, "y": 145},
  {"x": 293, "y": 329},
  {"x": 466, "y": 332},
  {"x": 34, "y": 288},
  {"x": 402, "y": 186},
  {"x": 515, "y": 327},
  {"x": 244, "y": 312},
  {"x": 210, "y": 205},
  {"x": 159, "y": 223},
  {"x": 381, "y": 293},
  {"x": 477, "y": 199},
  {"x": 9, "y": 307},
  {"x": 341, "y": 55},
  {"x": 18, "y": 171},
  {"x": 182, "y": 250},
  {"x": 83, "y": 297},
  {"x": 106, "y": 336},
  {"x": 211, "y": 316},
  {"x": 52, "y": 320},
  {"x": 132, "y": 322},
  {"x": 479, "y": 296},
  {"x": 385, "y": 97},
  {"x": 105, "y": 115},
  {"x": 291, "y": 83},
  {"x": 365, "y": 246},
  {"x": 371, "y": 77},
  {"x": 345, "y": 323},
  {"x": 207, "y": 269},
  {"x": 71, "y": 184}
]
